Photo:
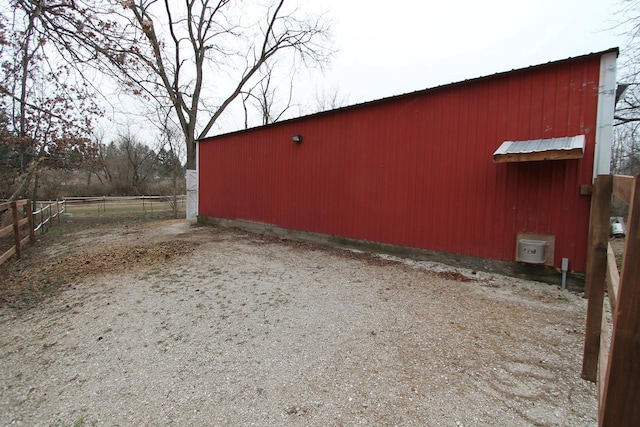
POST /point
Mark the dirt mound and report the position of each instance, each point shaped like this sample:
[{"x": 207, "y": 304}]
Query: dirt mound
[
  {"x": 117, "y": 258},
  {"x": 30, "y": 280}
]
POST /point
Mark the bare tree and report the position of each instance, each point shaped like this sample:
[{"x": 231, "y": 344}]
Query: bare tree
[
  {"x": 47, "y": 111},
  {"x": 129, "y": 164},
  {"x": 626, "y": 148},
  {"x": 206, "y": 33},
  {"x": 263, "y": 97},
  {"x": 171, "y": 153},
  {"x": 628, "y": 111},
  {"x": 195, "y": 56},
  {"x": 330, "y": 99}
]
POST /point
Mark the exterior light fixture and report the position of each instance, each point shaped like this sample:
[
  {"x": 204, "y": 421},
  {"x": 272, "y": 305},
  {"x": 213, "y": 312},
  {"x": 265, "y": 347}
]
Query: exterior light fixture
[{"x": 297, "y": 138}]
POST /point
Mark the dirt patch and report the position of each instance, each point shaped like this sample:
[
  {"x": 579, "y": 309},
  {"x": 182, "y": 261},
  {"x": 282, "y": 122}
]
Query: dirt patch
[
  {"x": 174, "y": 324},
  {"x": 87, "y": 253}
]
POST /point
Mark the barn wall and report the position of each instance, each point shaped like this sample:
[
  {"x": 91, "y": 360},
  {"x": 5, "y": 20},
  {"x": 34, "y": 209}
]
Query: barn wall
[{"x": 417, "y": 170}]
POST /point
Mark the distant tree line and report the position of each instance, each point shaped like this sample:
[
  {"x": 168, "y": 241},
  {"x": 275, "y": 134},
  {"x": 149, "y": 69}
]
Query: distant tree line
[{"x": 124, "y": 166}]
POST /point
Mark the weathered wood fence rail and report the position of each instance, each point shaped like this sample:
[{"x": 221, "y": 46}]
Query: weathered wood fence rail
[
  {"x": 25, "y": 222},
  {"x": 612, "y": 348}
]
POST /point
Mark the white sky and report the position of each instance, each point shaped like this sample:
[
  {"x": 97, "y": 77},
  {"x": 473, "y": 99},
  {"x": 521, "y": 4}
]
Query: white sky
[{"x": 388, "y": 48}]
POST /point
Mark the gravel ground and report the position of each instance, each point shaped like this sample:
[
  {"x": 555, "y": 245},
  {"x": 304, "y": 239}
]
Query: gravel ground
[{"x": 171, "y": 323}]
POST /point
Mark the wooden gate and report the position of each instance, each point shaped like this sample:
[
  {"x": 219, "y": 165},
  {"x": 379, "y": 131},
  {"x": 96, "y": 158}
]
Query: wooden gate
[{"x": 612, "y": 351}]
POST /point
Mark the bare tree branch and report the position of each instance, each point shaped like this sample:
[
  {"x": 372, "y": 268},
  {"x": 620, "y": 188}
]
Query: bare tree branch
[
  {"x": 626, "y": 144},
  {"x": 185, "y": 54}
]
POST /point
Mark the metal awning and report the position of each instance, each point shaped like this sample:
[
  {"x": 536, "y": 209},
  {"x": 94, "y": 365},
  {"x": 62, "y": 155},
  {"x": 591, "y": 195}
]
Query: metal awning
[{"x": 570, "y": 147}]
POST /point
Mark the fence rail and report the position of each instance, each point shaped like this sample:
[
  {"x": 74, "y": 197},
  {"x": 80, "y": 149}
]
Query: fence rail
[
  {"x": 46, "y": 214},
  {"x": 611, "y": 348},
  {"x": 146, "y": 203}
]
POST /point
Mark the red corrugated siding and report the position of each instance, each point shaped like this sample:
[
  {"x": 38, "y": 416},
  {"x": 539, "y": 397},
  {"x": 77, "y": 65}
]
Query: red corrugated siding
[{"x": 417, "y": 170}]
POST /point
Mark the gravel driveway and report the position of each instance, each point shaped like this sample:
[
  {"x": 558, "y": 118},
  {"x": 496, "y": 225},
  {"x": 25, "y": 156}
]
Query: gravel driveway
[{"x": 171, "y": 323}]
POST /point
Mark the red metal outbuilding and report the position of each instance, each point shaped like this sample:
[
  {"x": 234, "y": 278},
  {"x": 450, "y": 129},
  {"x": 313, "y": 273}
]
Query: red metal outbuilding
[{"x": 417, "y": 170}]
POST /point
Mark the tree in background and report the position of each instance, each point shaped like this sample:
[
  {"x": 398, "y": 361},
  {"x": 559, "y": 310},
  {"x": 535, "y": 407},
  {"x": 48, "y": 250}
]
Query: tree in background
[
  {"x": 330, "y": 100},
  {"x": 626, "y": 149},
  {"x": 46, "y": 110},
  {"x": 170, "y": 163},
  {"x": 207, "y": 40},
  {"x": 195, "y": 56},
  {"x": 625, "y": 157},
  {"x": 128, "y": 165},
  {"x": 263, "y": 96}
]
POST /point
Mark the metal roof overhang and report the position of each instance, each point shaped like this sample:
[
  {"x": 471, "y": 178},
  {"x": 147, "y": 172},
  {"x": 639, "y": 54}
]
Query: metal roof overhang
[{"x": 570, "y": 147}]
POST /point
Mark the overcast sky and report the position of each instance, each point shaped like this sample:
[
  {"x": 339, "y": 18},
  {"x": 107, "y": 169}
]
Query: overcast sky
[{"x": 386, "y": 48}]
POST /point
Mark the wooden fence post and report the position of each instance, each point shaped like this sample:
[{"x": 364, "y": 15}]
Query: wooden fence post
[
  {"x": 621, "y": 392},
  {"x": 596, "y": 272},
  {"x": 16, "y": 228},
  {"x": 32, "y": 234}
]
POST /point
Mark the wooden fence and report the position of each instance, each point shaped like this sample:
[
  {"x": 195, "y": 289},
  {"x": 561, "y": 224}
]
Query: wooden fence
[
  {"x": 612, "y": 348},
  {"x": 23, "y": 215}
]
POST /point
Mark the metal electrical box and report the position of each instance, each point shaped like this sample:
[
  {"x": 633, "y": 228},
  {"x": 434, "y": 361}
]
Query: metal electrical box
[{"x": 532, "y": 251}]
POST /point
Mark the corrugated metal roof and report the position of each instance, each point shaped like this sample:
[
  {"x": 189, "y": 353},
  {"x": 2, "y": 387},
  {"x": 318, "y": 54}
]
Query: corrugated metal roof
[{"x": 570, "y": 147}]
